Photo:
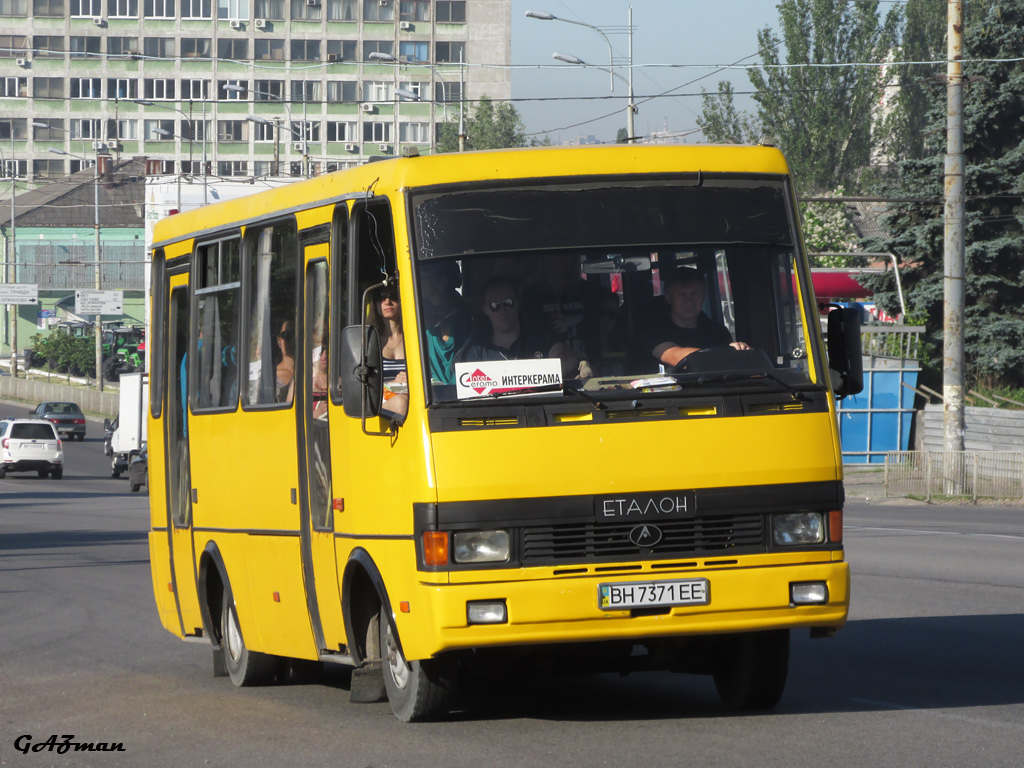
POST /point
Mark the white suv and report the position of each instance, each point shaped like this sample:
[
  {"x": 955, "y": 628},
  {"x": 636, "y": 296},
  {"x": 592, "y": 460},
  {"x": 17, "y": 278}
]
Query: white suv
[{"x": 30, "y": 445}]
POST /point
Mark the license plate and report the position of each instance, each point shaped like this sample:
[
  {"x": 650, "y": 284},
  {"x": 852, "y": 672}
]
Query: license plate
[
  {"x": 652, "y": 594},
  {"x": 35, "y": 446}
]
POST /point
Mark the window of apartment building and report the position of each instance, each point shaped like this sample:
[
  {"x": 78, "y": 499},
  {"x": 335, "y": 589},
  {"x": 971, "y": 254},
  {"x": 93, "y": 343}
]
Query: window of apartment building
[
  {"x": 379, "y": 131},
  {"x": 303, "y": 11},
  {"x": 48, "y": 169},
  {"x": 414, "y": 10},
  {"x": 12, "y": 46},
  {"x": 451, "y": 11},
  {"x": 224, "y": 94},
  {"x": 377, "y": 90},
  {"x": 305, "y": 50},
  {"x": 14, "y": 168},
  {"x": 13, "y": 7},
  {"x": 378, "y": 46},
  {"x": 79, "y": 9},
  {"x": 233, "y": 130},
  {"x": 123, "y": 9},
  {"x": 343, "y": 10},
  {"x": 196, "y": 9},
  {"x": 13, "y": 128},
  {"x": 342, "y": 90},
  {"x": 158, "y": 130},
  {"x": 124, "y": 130},
  {"x": 122, "y": 46},
  {"x": 122, "y": 88},
  {"x": 159, "y": 47},
  {"x": 269, "y": 90},
  {"x": 192, "y": 167},
  {"x": 158, "y": 9},
  {"x": 305, "y": 130},
  {"x": 196, "y": 48},
  {"x": 84, "y": 46},
  {"x": 86, "y": 128},
  {"x": 305, "y": 90},
  {"x": 232, "y": 9},
  {"x": 264, "y": 132},
  {"x": 195, "y": 90},
  {"x": 48, "y": 129},
  {"x": 447, "y": 92},
  {"x": 232, "y": 168},
  {"x": 270, "y": 9},
  {"x": 422, "y": 90},
  {"x": 450, "y": 51},
  {"x": 85, "y": 88},
  {"x": 158, "y": 88},
  {"x": 48, "y": 87},
  {"x": 409, "y": 50},
  {"x": 265, "y": 49},
  {"x": 262, "y": 168},
  {"x": 374, "y": 10},
  {"x": 338, "y": 131},
  {"x": 234, "y": 48},
  {"x": 47, "y": 7},
  {"x": 194, "y": 130},
  {"x": 342, "y": 50},
  {"x": 13, "y": 87},
  {"x": 48, "y": 47},
  {"x": 414, "y": 132}
]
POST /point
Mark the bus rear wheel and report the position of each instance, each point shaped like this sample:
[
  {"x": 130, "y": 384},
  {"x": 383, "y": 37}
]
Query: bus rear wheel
[
  {"x": 417, "y": 690},
  {"x": 245, "y": 667},
  {"x": 752, "y": 668}
]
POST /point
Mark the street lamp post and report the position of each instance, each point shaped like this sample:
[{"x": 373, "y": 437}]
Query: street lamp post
[
  {"x": 191, "y": 139},
  {"x": 630, "y": 106},
  {"x": 291, "y": 126},
  {"x": 276, "y": 123},
  {"x": 98, "y": 254},
  {"x": 387, "y": 58},
  {"x": 12, "y": 264}
]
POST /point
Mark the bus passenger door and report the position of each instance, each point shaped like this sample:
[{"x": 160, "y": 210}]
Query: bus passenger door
[
  {"x": 178, "y": 470},
  {"x": 319, "y": 565}
]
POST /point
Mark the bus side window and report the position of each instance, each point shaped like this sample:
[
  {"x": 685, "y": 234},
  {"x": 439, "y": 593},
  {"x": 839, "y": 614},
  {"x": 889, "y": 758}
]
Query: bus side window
[{"x": 217, "y": 307}]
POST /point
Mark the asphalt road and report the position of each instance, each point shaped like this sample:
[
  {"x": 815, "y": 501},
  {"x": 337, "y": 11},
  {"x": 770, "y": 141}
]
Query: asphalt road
[{"x": 929, "y": 671}]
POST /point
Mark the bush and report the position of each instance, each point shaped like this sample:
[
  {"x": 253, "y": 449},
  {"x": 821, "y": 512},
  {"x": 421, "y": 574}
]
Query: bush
[{"x": 63, "y": 352}]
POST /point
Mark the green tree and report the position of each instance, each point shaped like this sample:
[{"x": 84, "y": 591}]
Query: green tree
[
  {"x": 488, "y": 126},
  {"x": 722, "y": 123},
  {"x": 994, "y": 154},
  {"x": 827, "y": 229}
]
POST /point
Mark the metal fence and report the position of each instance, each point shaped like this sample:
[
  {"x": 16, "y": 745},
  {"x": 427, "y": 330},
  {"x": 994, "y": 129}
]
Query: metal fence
[{"x": 962, "y": 474}]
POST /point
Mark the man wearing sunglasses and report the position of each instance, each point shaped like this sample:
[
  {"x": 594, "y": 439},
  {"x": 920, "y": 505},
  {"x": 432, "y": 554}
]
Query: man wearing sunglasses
[{"x": 506, "y": 340}]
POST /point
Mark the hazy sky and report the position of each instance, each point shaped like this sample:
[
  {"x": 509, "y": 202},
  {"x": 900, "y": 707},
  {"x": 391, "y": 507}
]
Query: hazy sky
[{"x": 667, "y": 32}]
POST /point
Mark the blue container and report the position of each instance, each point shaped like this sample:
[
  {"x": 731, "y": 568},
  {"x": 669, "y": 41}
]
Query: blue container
[{"x": 878, "y": 420}]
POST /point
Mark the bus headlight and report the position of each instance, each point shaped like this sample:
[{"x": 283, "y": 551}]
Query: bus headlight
[
  {"x": 481, "y": 546},
  {"x": 797, "y": 528}
]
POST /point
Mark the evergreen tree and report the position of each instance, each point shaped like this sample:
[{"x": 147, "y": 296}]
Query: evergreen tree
[
  {"x": 722, "y": 123},
  {"x": 489, "y": 126},
  {"x": 994, "y": 155}
]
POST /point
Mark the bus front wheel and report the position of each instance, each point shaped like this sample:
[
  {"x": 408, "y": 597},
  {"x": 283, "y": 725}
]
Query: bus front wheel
[
  {"x": 417, "y": 690},
  {"x": 245, "y": 667},
  {"x": 752, "y": 668}
]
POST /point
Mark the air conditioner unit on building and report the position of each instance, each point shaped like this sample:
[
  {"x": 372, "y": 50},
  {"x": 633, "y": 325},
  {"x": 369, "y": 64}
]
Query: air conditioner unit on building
[
  {"x": 383, "y": 2},
  {"x": 236, "y": 24},
  {"x": 385, "y": 147},
  {"x": 366, "y": 107},
  {"x": 22, "y": 62},
  {"x": 312, "y": 2},
  {"x": 98, "y": 21},
  {"x": 405, "y": 25},
  {"x": 333, "y": 57},
  {"x": 350, "y": 147},
  {"x": 298, "y": 146},
  {"x": 261, "y": 23},
  {"x": 99, "y": 145},
  {"x": 113, "y": 145}
]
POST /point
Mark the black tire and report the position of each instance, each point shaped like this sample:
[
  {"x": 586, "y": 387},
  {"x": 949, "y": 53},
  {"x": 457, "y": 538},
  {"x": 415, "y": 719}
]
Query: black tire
[
  {"x": 752, "y": 668},
  {"x": 244, "y": 667},
  {"x": 417, "y": 690},
  {"x": 43, "y": 473},
  {"x": 114, "y": 471},
  {"x": 56, "y": 474},
  {"x": 134, "y": 487},
  {"x": 3, "y": 473}
]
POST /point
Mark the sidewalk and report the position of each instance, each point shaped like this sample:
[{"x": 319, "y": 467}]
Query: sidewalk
[{"x": 864, "y": 482}]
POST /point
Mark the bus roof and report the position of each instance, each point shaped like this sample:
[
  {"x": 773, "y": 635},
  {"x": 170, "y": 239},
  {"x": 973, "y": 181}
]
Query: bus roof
[{"x": 430, "y": 170}]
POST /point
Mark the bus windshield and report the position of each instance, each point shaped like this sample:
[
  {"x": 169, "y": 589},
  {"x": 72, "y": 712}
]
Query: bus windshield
[{"x": 622, "y": 288}]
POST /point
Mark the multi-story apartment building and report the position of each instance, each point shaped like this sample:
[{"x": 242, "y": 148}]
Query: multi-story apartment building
[{"x": 251, "y": 87}]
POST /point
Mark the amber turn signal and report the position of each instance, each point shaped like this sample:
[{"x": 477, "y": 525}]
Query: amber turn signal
[
  {"x": 435, "y": 547},
  {"x": 835, "y": 526}
]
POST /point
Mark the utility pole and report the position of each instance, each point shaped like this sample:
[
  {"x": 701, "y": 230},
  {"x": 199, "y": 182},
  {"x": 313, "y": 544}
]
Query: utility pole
[{"x": 953, "y": 262}]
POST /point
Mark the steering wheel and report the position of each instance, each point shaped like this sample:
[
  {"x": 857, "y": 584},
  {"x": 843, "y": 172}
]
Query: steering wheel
[{"x": 707, "y": 359}]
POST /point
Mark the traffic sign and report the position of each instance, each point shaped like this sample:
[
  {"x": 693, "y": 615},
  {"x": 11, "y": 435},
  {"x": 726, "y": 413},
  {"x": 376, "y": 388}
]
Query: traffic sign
[
  {"x": 99, "y": 302},
  {"x": 19, "y": 293}
]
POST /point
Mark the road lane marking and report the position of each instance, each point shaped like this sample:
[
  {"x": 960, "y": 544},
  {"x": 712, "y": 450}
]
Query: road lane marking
[{"x": 927, "y": 532}]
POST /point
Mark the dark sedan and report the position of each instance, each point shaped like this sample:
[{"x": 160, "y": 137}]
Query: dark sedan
[
  {"x": 66, "y": 417},
  {"x": 138, "y": 471}
]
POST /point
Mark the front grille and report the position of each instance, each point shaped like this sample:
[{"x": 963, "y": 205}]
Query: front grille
[{"x": 584, "y": 542}]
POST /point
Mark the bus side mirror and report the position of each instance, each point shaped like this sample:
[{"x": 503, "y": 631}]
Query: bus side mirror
[
  {"x": 362, "y": 381},
  {"x": 846, "y": 366}
]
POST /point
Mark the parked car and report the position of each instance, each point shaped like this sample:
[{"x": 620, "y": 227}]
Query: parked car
[
  {"x": 138, "y": 471},
  {"x": 66, "y": 417},
  {"x": 30, "y": 445}
]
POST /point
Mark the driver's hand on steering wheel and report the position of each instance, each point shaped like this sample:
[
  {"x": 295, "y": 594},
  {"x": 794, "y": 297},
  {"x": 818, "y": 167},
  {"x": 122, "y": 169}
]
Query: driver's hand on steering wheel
[{"x": 740, "y": 345}]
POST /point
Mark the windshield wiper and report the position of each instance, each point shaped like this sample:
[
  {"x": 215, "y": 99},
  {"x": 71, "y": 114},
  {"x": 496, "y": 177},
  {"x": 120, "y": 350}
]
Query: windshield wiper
[
  {"x": 583, "y": 395},
  {"x": 703, "y": 378}
]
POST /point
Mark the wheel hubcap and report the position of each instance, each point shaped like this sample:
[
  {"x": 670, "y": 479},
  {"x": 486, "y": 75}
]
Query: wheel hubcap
[
  {"x": 395, "y": 660},
  {"x": 234, "y": 636}
]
